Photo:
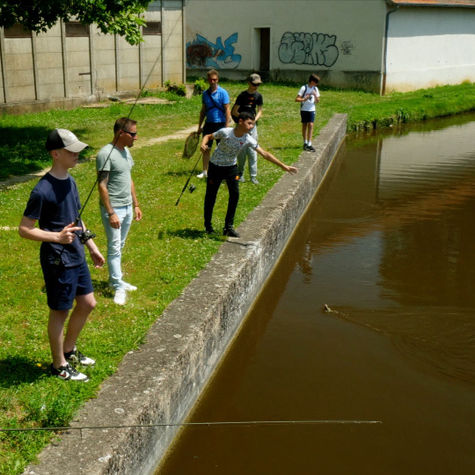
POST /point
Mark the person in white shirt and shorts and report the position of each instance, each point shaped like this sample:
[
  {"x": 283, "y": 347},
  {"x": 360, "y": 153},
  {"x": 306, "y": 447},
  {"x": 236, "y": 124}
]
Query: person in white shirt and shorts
[{"x": 308, "y": 96}]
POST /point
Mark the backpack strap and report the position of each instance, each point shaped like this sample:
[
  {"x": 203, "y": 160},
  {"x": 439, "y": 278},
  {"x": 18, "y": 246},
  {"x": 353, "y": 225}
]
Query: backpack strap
[
  {"x": 215, "y": 104},
  {"x": 303, "y": 95}
]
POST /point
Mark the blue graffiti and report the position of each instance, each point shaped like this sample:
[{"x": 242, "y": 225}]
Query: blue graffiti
[{"x": 201, "y": 53}]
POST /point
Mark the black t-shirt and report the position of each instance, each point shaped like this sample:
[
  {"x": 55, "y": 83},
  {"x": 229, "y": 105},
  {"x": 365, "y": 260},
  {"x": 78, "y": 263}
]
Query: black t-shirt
[
  {"x": 248, "y": 102},
  {"x": 55, "y": 204}
]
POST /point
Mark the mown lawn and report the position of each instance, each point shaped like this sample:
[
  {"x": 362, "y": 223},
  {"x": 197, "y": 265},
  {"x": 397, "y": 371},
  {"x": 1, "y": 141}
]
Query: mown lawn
[{"x": 164, "y": 252}]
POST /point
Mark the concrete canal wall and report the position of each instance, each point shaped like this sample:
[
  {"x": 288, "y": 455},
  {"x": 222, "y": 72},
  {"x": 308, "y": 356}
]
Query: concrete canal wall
[{"x": 160, "y": 382}]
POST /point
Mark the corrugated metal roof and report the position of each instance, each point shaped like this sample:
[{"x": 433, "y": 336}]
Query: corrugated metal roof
[{"x": 433, "y": 3}]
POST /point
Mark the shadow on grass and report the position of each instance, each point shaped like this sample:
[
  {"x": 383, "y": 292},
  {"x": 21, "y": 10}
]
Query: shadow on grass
[
  {"x": 186, "y": 173},
  {"x": 23, "y": 150},
  {"x": 19, "y": 370},
  {"x": 290, "y": 147},
  {"x": 188, "y": 233},
  {"x": 102, "y": 287}
]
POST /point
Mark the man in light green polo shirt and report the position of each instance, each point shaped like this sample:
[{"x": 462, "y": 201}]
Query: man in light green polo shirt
[{"x": 118, "y": 201}]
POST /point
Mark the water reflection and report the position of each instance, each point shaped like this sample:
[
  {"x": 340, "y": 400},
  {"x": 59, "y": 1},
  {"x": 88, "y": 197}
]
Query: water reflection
[
  {"x": 406, "y": 229},
  {"x": 388, "y": 245}
]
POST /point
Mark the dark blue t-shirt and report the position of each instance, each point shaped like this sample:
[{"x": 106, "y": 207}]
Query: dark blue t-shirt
[{"x": 55, "y": 204}]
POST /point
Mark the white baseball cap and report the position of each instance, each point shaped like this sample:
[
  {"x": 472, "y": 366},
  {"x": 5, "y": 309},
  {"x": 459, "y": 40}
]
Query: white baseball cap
[{"x": 63, "y": 138}]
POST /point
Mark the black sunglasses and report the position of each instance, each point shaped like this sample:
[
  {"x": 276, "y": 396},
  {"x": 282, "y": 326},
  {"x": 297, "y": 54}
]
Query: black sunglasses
[{"x": 132, "y": 134}]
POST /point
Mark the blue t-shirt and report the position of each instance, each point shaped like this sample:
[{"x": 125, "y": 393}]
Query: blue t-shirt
[
  {"x": 214, "y": 103},
  {"x": 55, "y": 204}
]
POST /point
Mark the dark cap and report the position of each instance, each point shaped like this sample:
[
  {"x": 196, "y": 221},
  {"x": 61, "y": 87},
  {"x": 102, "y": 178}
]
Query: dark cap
[
  {"x": 63, "y": 138},
  {"x": 254, "y": 78}
]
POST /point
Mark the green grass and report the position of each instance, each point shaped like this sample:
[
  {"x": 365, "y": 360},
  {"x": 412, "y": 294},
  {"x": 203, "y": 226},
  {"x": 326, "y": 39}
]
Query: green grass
[{"x": 163, "y": 253}]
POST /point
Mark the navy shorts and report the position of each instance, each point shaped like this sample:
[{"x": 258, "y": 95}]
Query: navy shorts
[
  {"x": 307, "y": 116},
  {"x": 211, "y": 127},
  {"x": 64, "y": 284}
]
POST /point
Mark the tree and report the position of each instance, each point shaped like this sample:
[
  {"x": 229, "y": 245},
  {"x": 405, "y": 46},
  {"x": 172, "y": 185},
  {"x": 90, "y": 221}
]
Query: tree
[{"x": 111, "y": 16}]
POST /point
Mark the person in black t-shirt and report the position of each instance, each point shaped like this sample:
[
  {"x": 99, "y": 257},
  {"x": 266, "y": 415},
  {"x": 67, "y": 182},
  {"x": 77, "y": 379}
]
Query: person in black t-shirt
[
  {"x": 249, "y": 101},
  {"x": 54, "y": 204}
]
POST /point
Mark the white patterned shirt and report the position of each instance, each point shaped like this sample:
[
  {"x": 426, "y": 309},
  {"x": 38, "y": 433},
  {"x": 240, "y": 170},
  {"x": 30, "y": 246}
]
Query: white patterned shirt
[{"x": 228, "y": 148}]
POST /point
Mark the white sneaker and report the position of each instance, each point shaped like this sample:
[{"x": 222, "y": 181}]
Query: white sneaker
[
  {"x": 203, "y": 174},
  {"x": 120, "y": 297},
  {"x": 128, "y": 287}
]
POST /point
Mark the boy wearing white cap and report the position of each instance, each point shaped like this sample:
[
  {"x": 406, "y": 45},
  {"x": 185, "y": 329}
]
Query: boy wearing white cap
[{"x": 54, "y": 204}]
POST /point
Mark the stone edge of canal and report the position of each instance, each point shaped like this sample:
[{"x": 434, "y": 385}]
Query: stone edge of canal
[{"x": 138, "y": 411}]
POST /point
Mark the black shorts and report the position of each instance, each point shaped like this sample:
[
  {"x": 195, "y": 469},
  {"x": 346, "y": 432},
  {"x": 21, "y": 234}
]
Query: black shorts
[
  {"x": 211, "y": 127},
  {"x": 307, "y": 116},
  {"x": 64, "y": 284}
]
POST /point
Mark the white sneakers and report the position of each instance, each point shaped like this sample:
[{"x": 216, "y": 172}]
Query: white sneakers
[
  {"x": 203, "y": 174},
  {"x": 120, "y": 297},
  {"x": 128, "y": 287}
]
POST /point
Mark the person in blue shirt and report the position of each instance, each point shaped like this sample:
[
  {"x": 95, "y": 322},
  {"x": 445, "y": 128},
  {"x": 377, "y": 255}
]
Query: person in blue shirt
[
  {"x": 215, "y": 108},
  {"x": 54, "y": 204}
]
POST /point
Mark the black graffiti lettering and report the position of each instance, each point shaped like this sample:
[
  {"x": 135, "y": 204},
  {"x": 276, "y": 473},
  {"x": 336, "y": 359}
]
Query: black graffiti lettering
[{"x": 308, "y": 48}]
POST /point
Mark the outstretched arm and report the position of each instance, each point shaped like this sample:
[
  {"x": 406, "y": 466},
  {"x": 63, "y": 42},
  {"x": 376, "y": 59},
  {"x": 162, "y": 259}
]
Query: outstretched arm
[{"x": 271, "y": 158}]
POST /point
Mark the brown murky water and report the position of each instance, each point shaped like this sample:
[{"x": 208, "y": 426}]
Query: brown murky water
[{"x": 388, "y": 245}]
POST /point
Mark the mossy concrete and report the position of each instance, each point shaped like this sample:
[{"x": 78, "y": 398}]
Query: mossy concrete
[{"x": 129, "y": 426}]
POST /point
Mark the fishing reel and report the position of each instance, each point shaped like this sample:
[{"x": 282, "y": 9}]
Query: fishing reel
[{"x": 85, "y": 235}]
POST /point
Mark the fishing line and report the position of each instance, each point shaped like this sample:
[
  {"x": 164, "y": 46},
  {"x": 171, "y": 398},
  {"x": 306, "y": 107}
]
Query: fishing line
[
  {"x": 207, "y": 423},
  {"x": 86, "y": 234},
  {"x": 115, "y": 140}
]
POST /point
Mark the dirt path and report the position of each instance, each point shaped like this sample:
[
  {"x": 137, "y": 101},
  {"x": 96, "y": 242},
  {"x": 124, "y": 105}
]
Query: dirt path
[{"x": 181, "y": 134}]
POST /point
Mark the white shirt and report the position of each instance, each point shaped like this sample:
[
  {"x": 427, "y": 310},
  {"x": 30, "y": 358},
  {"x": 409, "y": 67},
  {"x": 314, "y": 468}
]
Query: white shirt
[
  {"x": 228, "y": 148},
  {"x": 309, "y": 104}
]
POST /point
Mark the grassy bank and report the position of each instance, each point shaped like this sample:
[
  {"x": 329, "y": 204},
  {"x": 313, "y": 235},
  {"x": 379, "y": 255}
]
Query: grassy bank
[{"x": 164, "y": 252}]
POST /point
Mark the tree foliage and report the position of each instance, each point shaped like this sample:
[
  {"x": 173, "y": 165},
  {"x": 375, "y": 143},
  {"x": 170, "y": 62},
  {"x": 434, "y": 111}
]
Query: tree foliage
[{"x": 111, "y": 16}]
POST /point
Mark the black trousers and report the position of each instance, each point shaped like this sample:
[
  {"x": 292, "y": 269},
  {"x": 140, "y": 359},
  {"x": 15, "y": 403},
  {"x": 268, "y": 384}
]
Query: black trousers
[{"x": 216, "y": 175}]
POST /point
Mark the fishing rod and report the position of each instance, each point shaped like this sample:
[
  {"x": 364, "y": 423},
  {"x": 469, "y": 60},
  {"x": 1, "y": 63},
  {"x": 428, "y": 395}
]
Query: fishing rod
[
  {"x": 206, "y": 423},
  {"x": 192, "y": 187},
  {"x": 85, "y": 234}
]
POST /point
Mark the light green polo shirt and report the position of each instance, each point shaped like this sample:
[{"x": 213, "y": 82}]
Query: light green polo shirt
[{"x": 118, "y": 163}]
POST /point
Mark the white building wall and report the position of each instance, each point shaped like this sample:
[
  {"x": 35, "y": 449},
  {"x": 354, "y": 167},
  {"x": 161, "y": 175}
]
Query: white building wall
[
  {"x": 339, "y": 38},
  {"x": 172, "y": 37},
  {"x": 428, "y": 47}
]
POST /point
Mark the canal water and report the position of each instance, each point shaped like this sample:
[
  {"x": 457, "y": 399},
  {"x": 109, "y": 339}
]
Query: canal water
[{"x": 362, "y": 342}]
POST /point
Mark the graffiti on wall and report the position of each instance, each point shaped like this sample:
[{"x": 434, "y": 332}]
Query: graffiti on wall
[
  {"x": 202, "y": 53},
  {"x": 308, "y": 48}
]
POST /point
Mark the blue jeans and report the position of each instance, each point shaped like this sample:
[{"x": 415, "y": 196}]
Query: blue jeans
[
  {"x": 115, "y": 242},
  {"x": 251, "y": 154}
]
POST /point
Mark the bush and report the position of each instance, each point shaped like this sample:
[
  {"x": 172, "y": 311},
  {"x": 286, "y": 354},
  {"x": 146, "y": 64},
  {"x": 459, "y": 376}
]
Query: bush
[
  {"x": 178, "y": 89},
  {"x": 199, "y": 86}
]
